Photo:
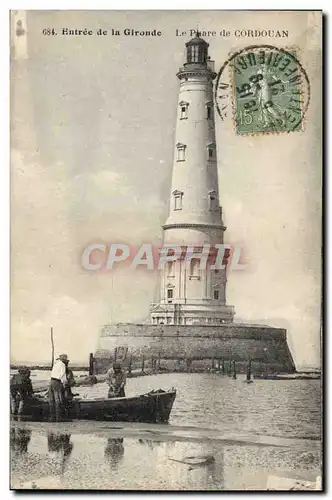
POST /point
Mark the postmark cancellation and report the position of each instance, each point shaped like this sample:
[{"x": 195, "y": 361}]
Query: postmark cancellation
[{"x": 267, "y": 89}]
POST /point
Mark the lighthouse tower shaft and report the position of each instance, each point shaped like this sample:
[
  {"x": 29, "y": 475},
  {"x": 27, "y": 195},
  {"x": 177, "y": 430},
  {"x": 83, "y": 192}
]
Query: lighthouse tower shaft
[{"x": 191, "y": 290}]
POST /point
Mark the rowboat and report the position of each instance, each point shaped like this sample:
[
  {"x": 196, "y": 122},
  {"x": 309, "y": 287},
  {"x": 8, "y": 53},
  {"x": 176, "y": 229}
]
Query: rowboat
[{"x": 152, "y": 407}]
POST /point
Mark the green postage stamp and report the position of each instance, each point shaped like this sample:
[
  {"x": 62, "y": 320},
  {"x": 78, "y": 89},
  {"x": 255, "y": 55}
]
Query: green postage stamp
[{"x": 270, "y": 90}]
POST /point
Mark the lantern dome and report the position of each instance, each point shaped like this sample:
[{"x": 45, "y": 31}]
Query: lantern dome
[{"x": 197, "y": 50}]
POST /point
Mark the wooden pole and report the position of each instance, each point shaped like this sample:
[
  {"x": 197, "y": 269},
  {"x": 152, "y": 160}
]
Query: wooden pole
[
  {"x": 223, "y": 366},
  {"x": 249, "y": 370},
  {"x": 234, "y": 370},
  {"x": 91, "y": 364},
  {"x": 143, "y": 363},
  {"x": 52, "y": 346},
  {"x": 230, "y": 368},
  {"x": 218, "y": 365},
  {"x": 130, "y": 363},
  {"x": 115, "y": 353},
  {"x": 212, "y": 363}
]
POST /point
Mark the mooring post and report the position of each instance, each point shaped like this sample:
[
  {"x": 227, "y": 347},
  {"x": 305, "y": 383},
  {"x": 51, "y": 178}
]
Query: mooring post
[
  {"x": 91, "y": 362},
  {"x": 212, "y": 363},
  {"x": 143, "y": 363},
  {"x": 234, "y": 369},
  {"x": 249, "y": 370},
  {"x": 159, "y": 360},
  {"x": 130, "y": 363}
]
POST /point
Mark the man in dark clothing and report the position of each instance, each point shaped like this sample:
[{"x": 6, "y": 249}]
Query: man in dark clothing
[
  {"x": 116, "y": 380},
  {"x": 68, "y": 394},
  {"x": 20, "y": 391}
]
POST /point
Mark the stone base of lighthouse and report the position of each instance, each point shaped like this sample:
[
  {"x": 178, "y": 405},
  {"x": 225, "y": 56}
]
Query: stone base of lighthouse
[
  {"x": 177, "y": 347},
  {"x": 192, "y": 313}
]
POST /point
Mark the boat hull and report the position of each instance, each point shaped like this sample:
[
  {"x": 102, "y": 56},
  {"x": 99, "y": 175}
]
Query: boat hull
[{"x": 151, "y": 408}]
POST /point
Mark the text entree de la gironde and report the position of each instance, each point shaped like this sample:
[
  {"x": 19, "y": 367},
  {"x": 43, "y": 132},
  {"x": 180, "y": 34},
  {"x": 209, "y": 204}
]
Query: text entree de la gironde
[{"x": 239, "y": 33}]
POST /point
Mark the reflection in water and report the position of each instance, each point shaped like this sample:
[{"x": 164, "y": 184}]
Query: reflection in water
[
  {"x": 19, "y": 440},
  {"x": 114, "y": 451},
  {"x": 150, "y": 443},
  {"x": 61, "y": 445},
  {"x": 214, "y": 465},
  {"x": 211, "y": 478}
]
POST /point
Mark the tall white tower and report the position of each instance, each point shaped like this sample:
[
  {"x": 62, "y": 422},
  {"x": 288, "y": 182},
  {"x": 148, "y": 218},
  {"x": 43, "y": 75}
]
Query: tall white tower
[{"x": 189, "y": 293}]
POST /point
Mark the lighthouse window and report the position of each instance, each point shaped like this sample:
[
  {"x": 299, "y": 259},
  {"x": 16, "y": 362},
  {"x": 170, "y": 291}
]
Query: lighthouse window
[
  {"x": 181, "y": 149},
  {"x": 213, "y": 200},
  {"x": 209, "y": 109},
  {"x": 177, "y": 203},
  {"x": 183, "y": 110},
  {"x": 194, "y": 268},
  {"x": 170, "y": 269},
  {"x": 195, "y": 53},
  {"x": 216, "y": 294},
  {"x": 177, "y": 200},
  {"x": 211, "y": 151},
  {"x": 181, "y": 154}
]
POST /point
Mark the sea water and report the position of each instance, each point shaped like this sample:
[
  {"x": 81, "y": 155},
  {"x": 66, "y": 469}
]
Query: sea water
[{"x": 223, "y": 434}]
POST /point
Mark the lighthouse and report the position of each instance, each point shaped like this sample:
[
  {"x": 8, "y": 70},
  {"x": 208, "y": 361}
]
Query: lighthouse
[
  {"x": 191, "y": 320},
  {"x": 192, "y": 291}
]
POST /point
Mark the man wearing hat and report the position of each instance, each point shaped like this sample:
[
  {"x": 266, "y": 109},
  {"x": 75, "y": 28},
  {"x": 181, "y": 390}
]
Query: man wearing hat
[
  {"x": 116, "y": 379},
  {"x": 20, "y": 390},
  {"x": 57, "y": 387}
]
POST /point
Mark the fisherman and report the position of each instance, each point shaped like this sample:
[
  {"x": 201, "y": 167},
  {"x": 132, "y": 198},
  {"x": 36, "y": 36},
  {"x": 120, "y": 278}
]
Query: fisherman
[
  {"x": 68, "y": 394},
  {"x": 20, "y": 390},
  {"x": 69, "y": 384},
  {"x": 56, "y": 392},
  {"x": 116, "y": 379}
]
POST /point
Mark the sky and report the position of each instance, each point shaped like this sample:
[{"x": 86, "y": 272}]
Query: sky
[{"x": 92, "y": 138}]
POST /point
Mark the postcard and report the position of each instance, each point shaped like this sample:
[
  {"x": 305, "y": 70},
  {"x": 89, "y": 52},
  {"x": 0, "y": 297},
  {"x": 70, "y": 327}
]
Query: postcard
[{"x": 166, "y": 250}]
